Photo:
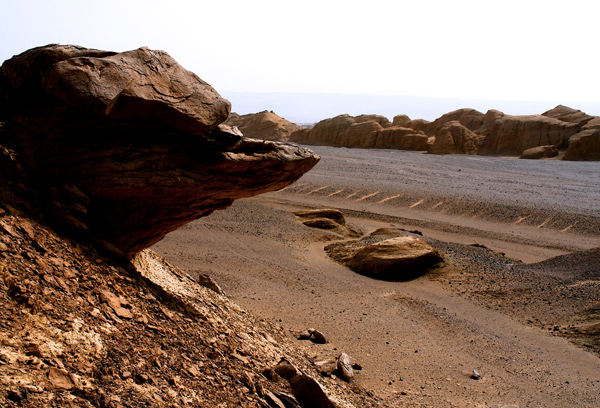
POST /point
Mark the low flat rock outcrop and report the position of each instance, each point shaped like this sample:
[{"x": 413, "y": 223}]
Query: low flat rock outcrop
[
  {"x": 540, "y": 152},
  {"x": 327, "y": 219},
  {"x": 126, "y": 147},
  {"x": 395, "y": 259},
  {"x": 265, "y": 125},
  {"x": 454, "y": 138}
]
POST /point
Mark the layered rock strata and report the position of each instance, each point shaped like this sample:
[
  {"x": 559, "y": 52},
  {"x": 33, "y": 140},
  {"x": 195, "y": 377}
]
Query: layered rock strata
[{"x": 126, "y": 147}]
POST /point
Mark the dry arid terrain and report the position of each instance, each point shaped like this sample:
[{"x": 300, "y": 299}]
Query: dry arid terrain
[{"x": 517, "y": 298}]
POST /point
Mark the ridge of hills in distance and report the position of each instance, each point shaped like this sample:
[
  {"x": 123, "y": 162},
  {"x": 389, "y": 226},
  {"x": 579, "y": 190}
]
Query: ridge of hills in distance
[{"x": 308, "y": 108}]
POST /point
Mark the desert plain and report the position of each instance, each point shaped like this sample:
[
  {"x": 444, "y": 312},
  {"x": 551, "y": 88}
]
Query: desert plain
[{"x": 516, "y": 299}]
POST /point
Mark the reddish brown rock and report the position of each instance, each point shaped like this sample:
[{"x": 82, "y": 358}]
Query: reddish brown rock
[
  {"x": 327, "y": 132},
  {"x": 361, "y": 135},
  {"x": 454, "y": 138},
  {"x": 469, "y": 118},
  {"x": 584, "y": 145},
  {"x": 128, "y": 146},
  {"x": 511, "y": 135},
  {"x": 593, "y": 124},
  {"x": 401, "y": 138},
  {"x": 395, "y": 259},
  {"x": 401, "y": 121},
  {"x": 265, "y": 125},
  {"x": 491, "y": 116},
  {"x": 382, "y": 120},
  {"x": 420, "y": 125},
  {"x": 540, "y": 152},
  {"x": 571, "y": 115}
]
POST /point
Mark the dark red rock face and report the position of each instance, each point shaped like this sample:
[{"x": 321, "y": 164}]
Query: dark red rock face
[{"x": 128, "y": 146}]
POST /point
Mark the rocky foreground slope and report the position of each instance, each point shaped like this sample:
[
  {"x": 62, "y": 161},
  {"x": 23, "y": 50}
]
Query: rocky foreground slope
[{"x": 101, "y": 155}]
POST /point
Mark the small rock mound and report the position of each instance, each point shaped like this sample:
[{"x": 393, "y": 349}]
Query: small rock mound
[
  {"x": 327, "y": 219},
  {"x": 395, "y": 259}
]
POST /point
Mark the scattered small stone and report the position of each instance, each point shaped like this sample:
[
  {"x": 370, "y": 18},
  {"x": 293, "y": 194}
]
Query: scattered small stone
[
  {"x": 304, "y": 335},
  {"x": 344, "y": 367},
  {"x": 273, "y": 401},
  {"x": 327, "y": 366},
  {"x": 475, "y": 375},
  {"x": 60, "y": 378},
  {"x": 285, "y": 369},
  {"x": 288, "y": 400},
  {"x": 309, "y": 393},
  {"x": 317, "y": 337}
]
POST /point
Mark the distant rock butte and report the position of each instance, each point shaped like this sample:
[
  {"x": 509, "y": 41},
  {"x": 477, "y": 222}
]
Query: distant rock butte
[
  {"x": 127, "y": 147},
  {"x": 364, "y": 131},
  {"x": 265, "y": 125},
  {"x": 465, "y": 131}
]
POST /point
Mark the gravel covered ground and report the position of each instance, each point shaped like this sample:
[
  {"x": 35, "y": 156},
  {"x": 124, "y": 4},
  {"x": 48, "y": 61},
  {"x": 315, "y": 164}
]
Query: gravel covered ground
[{"x": 530, "y": 328}]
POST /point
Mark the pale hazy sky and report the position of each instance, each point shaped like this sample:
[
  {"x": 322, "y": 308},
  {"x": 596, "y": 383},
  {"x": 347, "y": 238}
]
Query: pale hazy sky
[{"x": 517, "y": 50}]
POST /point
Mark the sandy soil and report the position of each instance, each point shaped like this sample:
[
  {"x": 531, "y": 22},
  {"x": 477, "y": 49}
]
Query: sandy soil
[{"x": 529, "y": 325}]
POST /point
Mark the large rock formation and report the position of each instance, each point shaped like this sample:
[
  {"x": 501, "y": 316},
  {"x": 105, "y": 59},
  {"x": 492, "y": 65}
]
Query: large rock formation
[
  {"x": 265, "y": 125},
  {"x": 327, "y": 132},
  {"x": 401, "y": 138},
  {"x": 364, "y": 131},
  {"x": 127, "y": 147},
  {"x": 464, "y": 131},
  {"x": 584, "y": 145},
  {"x": 361, "y": 135},
  {"x": 469, "y": 118},
  {"x": 566, "y": 114},
  {"x": 454, "y": 138},
  {"x": 511, "y": 135}
]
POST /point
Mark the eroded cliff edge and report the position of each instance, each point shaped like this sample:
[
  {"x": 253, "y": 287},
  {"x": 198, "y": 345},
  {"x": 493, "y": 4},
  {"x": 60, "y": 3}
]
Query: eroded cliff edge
[{"x": 127, "y": 147}]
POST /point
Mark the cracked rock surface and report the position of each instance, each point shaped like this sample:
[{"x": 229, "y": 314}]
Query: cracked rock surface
[{"x": 127, "y": 147}]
